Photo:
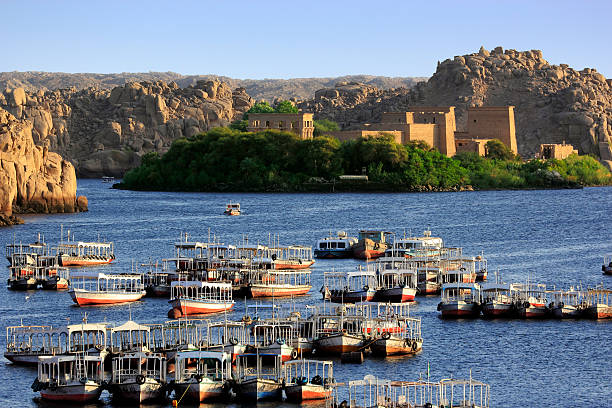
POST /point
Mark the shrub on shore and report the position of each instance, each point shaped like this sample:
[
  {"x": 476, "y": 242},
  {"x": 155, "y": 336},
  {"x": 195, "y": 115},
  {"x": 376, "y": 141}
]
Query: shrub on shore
[{"x": 225, "y": 159}]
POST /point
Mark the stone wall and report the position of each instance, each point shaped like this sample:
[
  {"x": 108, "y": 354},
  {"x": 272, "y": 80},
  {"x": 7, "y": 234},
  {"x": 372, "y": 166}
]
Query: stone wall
[{"x": 492, "y": 122}]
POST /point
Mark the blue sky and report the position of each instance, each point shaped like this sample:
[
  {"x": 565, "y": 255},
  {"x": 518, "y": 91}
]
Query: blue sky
[{"x": 269, "y": 39}]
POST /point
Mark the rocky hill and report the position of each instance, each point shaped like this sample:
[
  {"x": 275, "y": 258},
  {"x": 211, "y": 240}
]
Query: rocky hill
[
  {"x": 32, "y": 178},
  {"x": 554, "y": 103},
  {"x": 268, "y": 89},
  {"x": 106, "y": 132}
]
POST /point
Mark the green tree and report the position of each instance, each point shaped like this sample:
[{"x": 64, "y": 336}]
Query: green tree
[
  {"x": 497, "y": 150},
  {"x": 240, "y": 125},
  {"x": 285, "y": 107},
  {"x": 324, "y": 126},
  {"x": 259, "y": 107}
]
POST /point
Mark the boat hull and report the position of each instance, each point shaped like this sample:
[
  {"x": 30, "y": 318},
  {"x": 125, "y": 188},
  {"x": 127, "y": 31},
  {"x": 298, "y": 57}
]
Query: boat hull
[
  {"x": 271, "y": 290},
  {"x": 85, "y": 298},
  {"x": 259, "y": 389},
  {"x": 497, "y": 309},
  {"x": 339, "y": 343},
  {"x": 23, "y": 284},
  {"x": 200, "y": 392},
  {"x": 134, "y": 392},
  {"x": 306, "y": 392},
  {"x": 286, "y": 264},
  {"x": 566, "y": 312},
  {"x": 458, "y": 310},
  {"x": 55, "y": 284},
  {"x": 395, "y": 346},
  {"x": 533, "y": 312},
  {"x": 282, "y": 350},
  {"x": 352, "y": 297},
  {"x": 395, "y": 295},
  {"x": 77, "y": 393},
  {"x": 192, "y": 307},
  {"x": 333, "y": 253},
  {"x": 22, "y": 358},
  {"x": 599, "y": 311},
  {"x": 66, "y": 260}
]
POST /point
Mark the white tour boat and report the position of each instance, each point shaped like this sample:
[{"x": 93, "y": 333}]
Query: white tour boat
[
  {"x": 202, "y": 376},
  {"x": 337, "y": 247},
  {"x": 106, "y": 289},
  {"x": 75, "y": 378},
  {"x": 196, "y": 297},
  {"x": 138, "y": 377}
]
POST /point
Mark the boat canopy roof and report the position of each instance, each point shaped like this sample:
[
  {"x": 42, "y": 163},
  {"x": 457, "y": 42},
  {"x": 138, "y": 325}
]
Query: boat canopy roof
[
  {"x": 88, "y": 327},
  {"x": 103, "y": 275},
  {"x": 460, "y": 285},
  {"x": 190, "y": 245},
  {"x": 360, "y": 273},
  {"x": 130, "y": 325},
  {"x": 491, "y": 286},
  {"x": 216, "y": 355},
  {"x": 66, "y": 358},
  {"x": 251, "y": 247},
  {"x": 82, "y": 244}
]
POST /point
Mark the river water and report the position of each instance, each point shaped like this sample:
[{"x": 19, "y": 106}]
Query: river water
[{"x": 557, "y": 237}]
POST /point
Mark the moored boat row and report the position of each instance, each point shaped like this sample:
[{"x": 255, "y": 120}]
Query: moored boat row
[{"x": 526, "y": 301}]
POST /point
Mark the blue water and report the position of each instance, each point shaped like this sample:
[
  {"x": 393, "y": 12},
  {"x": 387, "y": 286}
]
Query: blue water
[{"x": 557, "y": 237}]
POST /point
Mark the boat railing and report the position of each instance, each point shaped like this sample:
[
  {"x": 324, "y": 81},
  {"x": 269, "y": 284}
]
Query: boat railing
[
  {"x": 266, "y": 334},
  {"x": 464, "y": 393},
  {"x": 222, "y": 333},
  {"x": 266, "y": 366},
  {"x": 213, "y": 292},
  {"x": 308, "y": 369},
  {"x": 598, "y": 297},
  {"x": 282, "y": 277},
  {"x": 127, "y": 367},
  {"x": 393, "y": 310}
]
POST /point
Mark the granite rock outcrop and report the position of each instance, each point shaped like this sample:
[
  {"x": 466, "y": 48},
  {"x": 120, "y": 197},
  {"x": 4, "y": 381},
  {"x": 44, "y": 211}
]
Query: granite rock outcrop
[
  {"x": 32, "y": 178},
  {"x": 553, "y": 103},
  {"x": 106, "y": 132}
]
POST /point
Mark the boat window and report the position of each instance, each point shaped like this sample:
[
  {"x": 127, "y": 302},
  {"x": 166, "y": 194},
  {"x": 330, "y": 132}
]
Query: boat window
[
  {"x": 333, "y": 245},
  {"x": 341, "y": 245},
  {"x": 323, "y": 245}
]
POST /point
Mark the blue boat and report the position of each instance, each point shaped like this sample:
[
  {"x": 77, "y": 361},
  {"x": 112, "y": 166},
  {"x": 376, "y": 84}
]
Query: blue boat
[
  {"x": 335, "y": 247},
  {"x": 259, "y": 377}
]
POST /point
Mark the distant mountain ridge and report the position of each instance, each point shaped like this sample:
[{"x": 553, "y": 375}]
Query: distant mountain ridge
[{"x": 268, "y": 89}]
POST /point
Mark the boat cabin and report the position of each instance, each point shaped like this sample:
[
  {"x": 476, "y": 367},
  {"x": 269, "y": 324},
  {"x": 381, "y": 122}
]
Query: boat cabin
[
  {"x": 214, "y": 365},
  {"x": 58, "y": 371},
  {"x": 374, "y": 235},
  {"x": 127, "y": 367},
  {"x": 232, "y": 209},
  {"x": 130, "y": 337}
]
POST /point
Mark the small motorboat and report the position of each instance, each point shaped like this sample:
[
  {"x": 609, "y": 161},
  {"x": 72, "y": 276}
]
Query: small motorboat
[
  {"x": 232, "y": 209},
  {"x": 337, "y": 247}
]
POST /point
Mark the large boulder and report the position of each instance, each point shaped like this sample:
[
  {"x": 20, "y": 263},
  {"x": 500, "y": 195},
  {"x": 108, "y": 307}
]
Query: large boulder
[{"x": 32, "y": 179}]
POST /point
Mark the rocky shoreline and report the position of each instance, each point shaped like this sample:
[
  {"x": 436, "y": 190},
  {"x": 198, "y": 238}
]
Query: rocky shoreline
[{"x": 32, "y": 178}]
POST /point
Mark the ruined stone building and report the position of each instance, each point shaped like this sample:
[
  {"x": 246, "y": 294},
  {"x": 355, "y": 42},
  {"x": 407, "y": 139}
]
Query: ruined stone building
[
  {"x": 436, "y": 126},
  {"x": 556, "y": 151},
  {"x": 302, "y": 124}
]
